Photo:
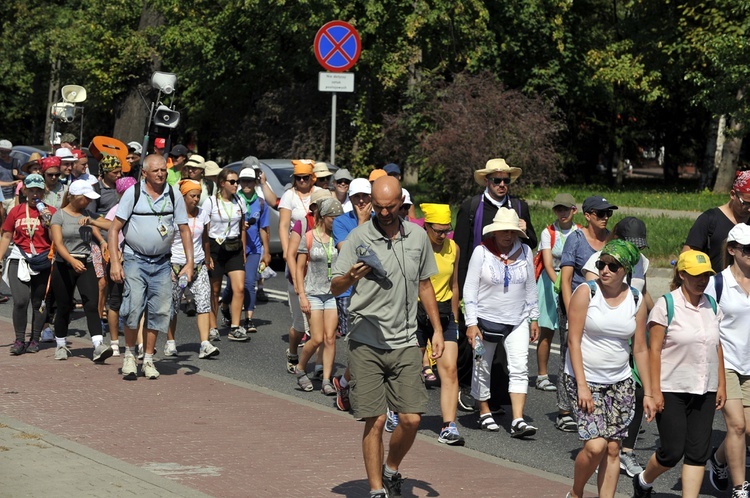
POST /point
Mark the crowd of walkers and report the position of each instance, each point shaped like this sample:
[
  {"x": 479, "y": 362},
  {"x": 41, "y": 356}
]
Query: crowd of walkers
[{"x": 419, "y": 304}]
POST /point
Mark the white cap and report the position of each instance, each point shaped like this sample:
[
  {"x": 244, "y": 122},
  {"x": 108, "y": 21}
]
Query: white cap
[
  {"x": 6, "y": 145},
  {"x": 137, "y": 148},
  {"x": 360, "y": 186},
  {"x": 65, "y": 155},
  {"x": 407, "y": 197},
  {"x": 248, "y": 173},
  {"x": 83, "y": 187},
  {"x": 740, "y": 234}
]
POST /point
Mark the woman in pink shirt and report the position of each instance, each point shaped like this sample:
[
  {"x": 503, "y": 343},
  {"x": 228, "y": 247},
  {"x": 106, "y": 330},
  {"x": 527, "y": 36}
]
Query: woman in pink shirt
[{"x": 687, "y": 375}]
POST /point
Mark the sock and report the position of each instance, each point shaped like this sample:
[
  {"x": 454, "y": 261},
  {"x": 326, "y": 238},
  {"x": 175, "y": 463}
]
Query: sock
[
  {"x": 389, "y": 472},
  {"x": 96, "y": 340},
  {"x": 60, "y": 342},
  {"x": 446, "y": 424},
  {"x": 171, "y": 343},
  {"x": 343, "y": 381},
  {"x": 148, "y": 357},
  {"x": 375, "y": 492},
  {"x": 129, "y": 350},
  {"x": 541, "y": 377},
  {"x": 205, "y": 343},
  {"x": 516, "y": 421},
  {"x": 643, "y": 482}
]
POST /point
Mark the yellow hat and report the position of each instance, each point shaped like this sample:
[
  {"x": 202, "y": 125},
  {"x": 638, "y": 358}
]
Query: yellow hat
[
  {"x": 695, "y": 263},
  {"x": 436, "y": 213}
]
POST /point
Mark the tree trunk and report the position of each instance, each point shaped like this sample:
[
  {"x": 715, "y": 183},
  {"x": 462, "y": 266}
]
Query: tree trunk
[
  {"x": 729, "y": 157},
  {"x": 714, "y": 147},
  {"x": 132, "y": 115}
]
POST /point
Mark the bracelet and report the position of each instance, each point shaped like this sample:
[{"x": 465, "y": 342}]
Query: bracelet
[
  {"x": 532, "y": 321},
  {"x": 102, "y": 242},
  {"x": 647, "y": 396}
]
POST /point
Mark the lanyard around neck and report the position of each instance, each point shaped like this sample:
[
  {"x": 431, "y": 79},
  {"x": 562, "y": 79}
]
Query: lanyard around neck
[{"x": 328, "y": 250}]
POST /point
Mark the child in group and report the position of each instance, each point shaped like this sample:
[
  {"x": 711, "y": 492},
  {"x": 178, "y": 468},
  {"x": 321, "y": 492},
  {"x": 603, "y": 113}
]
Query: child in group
[{"x": 551, "y": 244}]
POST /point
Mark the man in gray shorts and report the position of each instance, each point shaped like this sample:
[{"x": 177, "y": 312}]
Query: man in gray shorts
[
  {"x": 384, "y": 359},
  {"x": 148, "y": 224}
]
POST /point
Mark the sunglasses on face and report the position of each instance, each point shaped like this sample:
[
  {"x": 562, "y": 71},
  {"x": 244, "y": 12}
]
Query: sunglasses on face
[
  {"x": 743, "y": 203},
  {"x": 52, "y": 175},
  {"x": 302, "y": 178},
  {"x": 343, "y": 182},
  {"x": 744, "y": 249},
  {"x": 603, "y": 213},
  {"x": 500, "y": 181},
  {"x": 613, "y": 267},
  {"x": 247, "y": 180},
  {"x": 232, "y": 182}
]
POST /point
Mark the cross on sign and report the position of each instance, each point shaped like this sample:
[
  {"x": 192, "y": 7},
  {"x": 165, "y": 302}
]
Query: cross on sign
[{"x": 337, "y": 46}]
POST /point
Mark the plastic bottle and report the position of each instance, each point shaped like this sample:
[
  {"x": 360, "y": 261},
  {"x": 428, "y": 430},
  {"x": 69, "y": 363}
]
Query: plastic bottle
[
  {"x": 182, "y": 282},
  {"x": 43, "y": 213},
  {"x": 478, "y": 349}
]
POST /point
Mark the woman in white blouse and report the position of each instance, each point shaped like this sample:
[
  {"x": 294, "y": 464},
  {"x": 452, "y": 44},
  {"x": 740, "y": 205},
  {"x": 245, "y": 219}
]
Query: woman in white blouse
[{"x": 500, "y": 300}]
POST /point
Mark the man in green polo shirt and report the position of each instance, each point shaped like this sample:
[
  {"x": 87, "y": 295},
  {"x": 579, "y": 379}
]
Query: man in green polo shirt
[{"x": 384, "y": 359}]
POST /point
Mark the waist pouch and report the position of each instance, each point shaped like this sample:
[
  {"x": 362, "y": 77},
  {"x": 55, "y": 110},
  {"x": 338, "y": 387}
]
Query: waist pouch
[{"x": 493, "y": 331}]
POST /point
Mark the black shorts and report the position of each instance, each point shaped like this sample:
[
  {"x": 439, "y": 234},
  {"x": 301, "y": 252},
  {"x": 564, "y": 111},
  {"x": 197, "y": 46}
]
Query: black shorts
[{"x": 225, "y": 261}]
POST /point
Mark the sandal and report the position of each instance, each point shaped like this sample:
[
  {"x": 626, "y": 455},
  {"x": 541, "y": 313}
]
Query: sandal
[
  {"x": 487, "y": 423},
  {"x": 566, "y": 423},
  {"x": 544, "y": 384},
  {"x": 428, "y": 374},
  {"x": 522, "y": 429},
  {"x": 303, "y": 381}
]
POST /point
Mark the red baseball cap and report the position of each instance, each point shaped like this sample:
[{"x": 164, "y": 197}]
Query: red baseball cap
[
  {"x": 78, "y": 153},
  {"x": 160, "y": 143}
]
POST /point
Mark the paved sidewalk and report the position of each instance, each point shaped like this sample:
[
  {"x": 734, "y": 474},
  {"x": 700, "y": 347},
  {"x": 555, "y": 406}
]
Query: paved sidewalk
[{"x": 73, "y": 428}]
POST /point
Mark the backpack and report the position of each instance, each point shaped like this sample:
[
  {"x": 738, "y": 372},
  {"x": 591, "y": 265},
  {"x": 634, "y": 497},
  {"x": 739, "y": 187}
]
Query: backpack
[
  {"x": 137, "y": 195},
  {"x": 538, "y": 261},
  {"x": 670, "y": 306}
]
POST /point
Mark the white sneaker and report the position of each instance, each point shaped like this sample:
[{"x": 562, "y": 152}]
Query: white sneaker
[
  {"x": 115, "y": 348},
  {"x": 149, "y": 370},
  {"x": 170, "y": 349},
  {"x": 129, "y": 367},
  {"x": 213, "y": 335},
  {"x": 207, "y": 351},
  {"x": 62, "y": 353}
]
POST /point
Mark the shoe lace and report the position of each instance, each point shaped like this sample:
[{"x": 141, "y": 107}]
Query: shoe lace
[{"x": 721, "y": 471}]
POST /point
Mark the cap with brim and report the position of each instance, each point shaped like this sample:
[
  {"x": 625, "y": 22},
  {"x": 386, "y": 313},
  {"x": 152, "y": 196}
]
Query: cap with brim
[
  {"x": 160, "y": 143},
  {"x": 35, "y": 159},
  {"x": 319, "y": 194},
  {"x": 505, "y": 219},
  {"x": 178, "y": 150},
  {"x": 496, "y": 166},
  {"x": 392, "y": 168},
  {"x": 407, "y": 197},
  {"x": 740, "y": 234},
  {"x": 360, "y": 186},
  {"x": 595, "y": 202},
  {"x": 321, "y": 170},
  {"x": 34, "y": 181},
  {"x": 563, "y": 199},
  {"x": 135, "y": 148},
  {"x": 330, "y": 207},
  {"x": 65, "y": 155},
  {"x": 248, "y": 174},
  {"x": 251, "y": 162},
  {"x": 6, "y": 145},
  {"x": 633, "y": 230},
  {"x": 377, "y": 173},
  {"x": 211, "y": 168},
  {"x": 196, "y": 161},
  {"x": 83, "y": 187},
  {"x": 342, "y": 174},
  {"x": 694, "y": 263}
]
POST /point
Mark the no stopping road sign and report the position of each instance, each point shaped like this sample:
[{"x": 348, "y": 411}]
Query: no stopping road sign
[{"x": 337, "y": 46}]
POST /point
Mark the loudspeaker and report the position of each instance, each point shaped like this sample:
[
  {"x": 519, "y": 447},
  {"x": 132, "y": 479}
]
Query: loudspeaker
[
  {"x": 63, "y": 111},
  {"x": 73, "y": 93},
  {"x": 166, "y": 117},
  {"x": 164, "y": 82}
]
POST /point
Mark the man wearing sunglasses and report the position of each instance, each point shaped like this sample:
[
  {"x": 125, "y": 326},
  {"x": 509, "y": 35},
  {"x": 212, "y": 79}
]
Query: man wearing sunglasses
[
  {"x": 341, "y": 181},
  {"x": 711, "y": 228}
]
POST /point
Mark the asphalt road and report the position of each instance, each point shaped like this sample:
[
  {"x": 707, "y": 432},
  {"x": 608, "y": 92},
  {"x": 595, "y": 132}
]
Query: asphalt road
[{"x": 261, "y": 361}]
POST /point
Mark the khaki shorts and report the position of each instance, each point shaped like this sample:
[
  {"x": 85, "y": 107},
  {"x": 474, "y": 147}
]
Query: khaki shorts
[
  {"x": 385, "y": 378},
  {"x": 738, "y": 386}
]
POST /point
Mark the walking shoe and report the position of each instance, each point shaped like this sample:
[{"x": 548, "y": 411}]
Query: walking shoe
[
  {"x": 342, "y": 395},
  {"x": 629, "y": 464},
  {"x": 465, "y": 401},
  {"x": 101, "y": 353},
  {"x": 115, "y": 348},
  {"x": 392, "y": 484},
  {"x": 141, "y": 353},
  {"x": 47, "y": 335},
  {"x": 207, "y": 351},
  {"x": 149, "y": 370},
  {"x": 391, "y": 421},
  {"x": 291, "y": 362},
  {"x": 129, "y": 367},
  {"x": 170, "y": 349},
  {"x": 303, "y": 381},
  {"x": 566, "y": 423},
  {"x": 226, "y": 316},
  {"x": 741, "y": 491},
  {"x": 718, "y": 473},
  {"x": 638, "y": 490},
  {"x": 318, "y": 374},
  {"x": 32, "y": 347},
  {"x": 238, "y": 334},
  {"x": 261, "y": 296},
  {"x": 213, "y": 335},
  {"x": 521, "y": 429},
  {"x": 250, "y": 326},
  {"x": 327, "y": 388},
  {"x": 18, "y": 348},
  {"x": 544, "y": 384},
  {"x": 379, "y": 494},
  {"x": 449, "y": 435},
  {"x": 62, "y": 353}
]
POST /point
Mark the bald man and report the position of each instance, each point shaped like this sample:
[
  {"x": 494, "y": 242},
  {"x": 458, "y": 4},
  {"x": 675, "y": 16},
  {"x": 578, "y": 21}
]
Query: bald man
[{"x": 384, "y": 358}]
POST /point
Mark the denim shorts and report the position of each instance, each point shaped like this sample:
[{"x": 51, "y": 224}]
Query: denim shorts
[
  {"x": 322, "y": 302},
  {"x": 148, "y": 287}
]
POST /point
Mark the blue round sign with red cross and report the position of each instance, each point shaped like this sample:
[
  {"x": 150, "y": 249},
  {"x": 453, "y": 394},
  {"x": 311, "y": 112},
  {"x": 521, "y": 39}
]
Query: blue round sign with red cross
[{"x": 337, "y": 46}]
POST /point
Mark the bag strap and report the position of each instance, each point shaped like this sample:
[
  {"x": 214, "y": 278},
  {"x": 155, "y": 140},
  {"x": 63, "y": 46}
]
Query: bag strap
[
  {"x": 718, "y": 286},
  {"x": 670, "y": 308}
]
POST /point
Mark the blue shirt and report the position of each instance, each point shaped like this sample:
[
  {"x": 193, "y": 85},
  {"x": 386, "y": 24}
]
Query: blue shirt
[
  {"x": 576, "y": 253},
  {"x": 342, "y": 226},
  {"x": 257, "y": 210}
]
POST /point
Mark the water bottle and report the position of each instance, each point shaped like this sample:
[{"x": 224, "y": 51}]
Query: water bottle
[
  {"x": 44, "y": 212},
  {"x": 182, "y": 282},
  {"x": 478, "y": 348}
]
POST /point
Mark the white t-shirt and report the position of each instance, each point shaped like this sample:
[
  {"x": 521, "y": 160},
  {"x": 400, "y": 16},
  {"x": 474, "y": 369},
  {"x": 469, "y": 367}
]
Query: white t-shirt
[
  {"x": 604, "y": 344},
  {"x": 197, "y": 225},
  {"x": 560, "y": 235},
  {"x": 347, "y": 204},
  {"x": 639, "y": 271},
  {"x": 225, "y": 217},
  {"x": 734, "y": 330},
  {"x": 298, "y": 204}
]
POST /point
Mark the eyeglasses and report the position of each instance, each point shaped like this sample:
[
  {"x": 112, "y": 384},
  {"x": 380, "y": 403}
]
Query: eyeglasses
[
  {"x": 441, "y": 232},
  {"x": 745, "y": 249},
  {"x": 602, "y": 213},
  {"x": 302, "y": 178},
  {"x": 343, "y": 182},
  {"x": 743, "y": 203},
  {"x": 232, "y": 182},
  {"x": 247, "y": 180},
  {"x": 52, "y": 175},
  {"x": 613, "y": 267},
  {"x": 498, "y": 181}
]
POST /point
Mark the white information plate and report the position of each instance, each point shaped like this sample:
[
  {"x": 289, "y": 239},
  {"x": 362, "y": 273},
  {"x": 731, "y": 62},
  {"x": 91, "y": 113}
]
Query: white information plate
[{"x": 335, "y": 82}]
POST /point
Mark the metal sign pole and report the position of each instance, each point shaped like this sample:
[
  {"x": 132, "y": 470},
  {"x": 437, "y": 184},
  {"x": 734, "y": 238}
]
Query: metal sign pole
[{"x": 333, "y": 128}]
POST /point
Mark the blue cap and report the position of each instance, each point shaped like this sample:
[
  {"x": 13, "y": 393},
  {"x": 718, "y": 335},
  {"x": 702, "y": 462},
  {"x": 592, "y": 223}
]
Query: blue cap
[
  {"x": 392, "y": 168},
  {"x": 34, "y": 181}
]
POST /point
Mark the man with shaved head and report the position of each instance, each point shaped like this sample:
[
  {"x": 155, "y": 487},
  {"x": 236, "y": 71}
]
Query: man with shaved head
[{"x": 388, "y": 264}]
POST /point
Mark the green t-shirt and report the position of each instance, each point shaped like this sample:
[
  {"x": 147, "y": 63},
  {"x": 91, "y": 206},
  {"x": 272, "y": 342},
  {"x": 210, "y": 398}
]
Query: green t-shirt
[
  {"x": 173, "y": 176},
  {"x": 387, "y": 319}
]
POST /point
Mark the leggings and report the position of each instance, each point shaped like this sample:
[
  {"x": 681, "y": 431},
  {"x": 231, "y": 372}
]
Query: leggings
[
  {"x": 64, "y": 281},
  {"x": 635, "y": 425},
  {"x": 251, "y": 276},
  {"x": 685, "y": 427},
  {"x": 23, "y": 294}
]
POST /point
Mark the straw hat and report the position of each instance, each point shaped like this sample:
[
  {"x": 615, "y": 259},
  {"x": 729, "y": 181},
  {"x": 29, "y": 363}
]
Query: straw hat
[
  {"x": 34, "y": 159},
  {"x": 211, "y": 169},
  {"x": 496, "y": 166},
  {"x": 505, "y": 219}
]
